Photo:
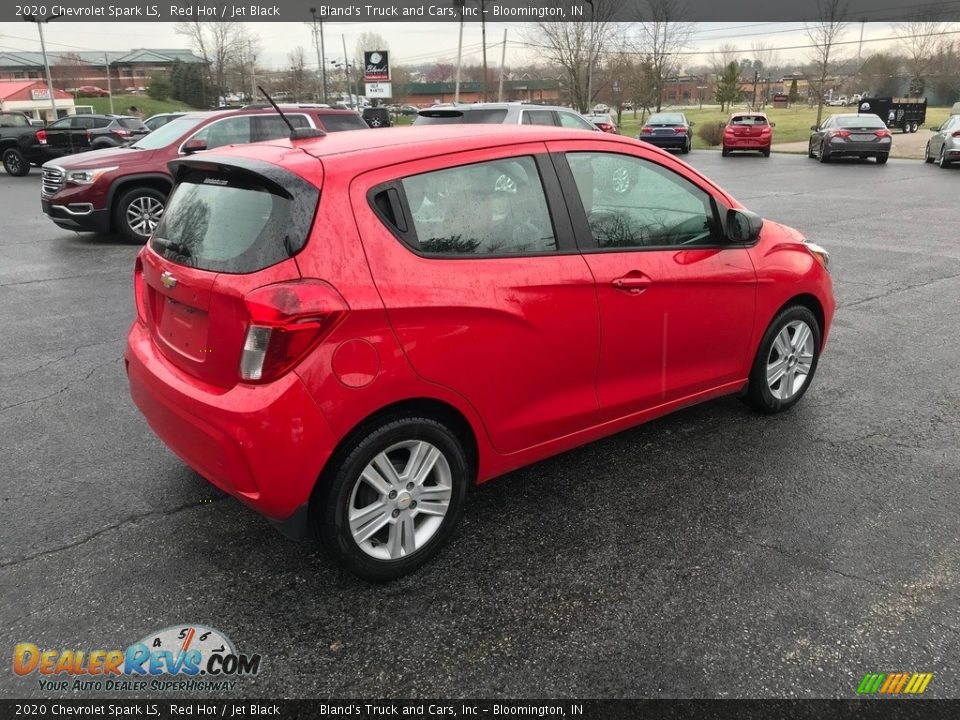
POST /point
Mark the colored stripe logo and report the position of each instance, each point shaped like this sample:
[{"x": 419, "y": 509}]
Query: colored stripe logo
[{"x": 894, "y": 683}]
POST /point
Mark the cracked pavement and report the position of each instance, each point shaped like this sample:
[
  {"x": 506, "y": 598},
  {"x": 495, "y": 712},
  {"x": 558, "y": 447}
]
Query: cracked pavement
[{"x": 713, "y": 553}]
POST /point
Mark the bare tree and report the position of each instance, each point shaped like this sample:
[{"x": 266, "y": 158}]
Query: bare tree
[
  {"x": 824, "y": 33},
  {"x": 921, "y": 40},
  {"x": 217, "y": 43},
  {"x": 297, "y": 78},
  {"x": 662, "y": 38},
  {"x": 248, "y": 49},
  {"x": 574, "y": 46},
  {"x": 765, "y": 55},
  {"x": 721, "y": 58}
]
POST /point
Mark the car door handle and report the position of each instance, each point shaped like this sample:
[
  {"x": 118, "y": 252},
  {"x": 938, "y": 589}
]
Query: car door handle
[{"x": 633, "y": 283}]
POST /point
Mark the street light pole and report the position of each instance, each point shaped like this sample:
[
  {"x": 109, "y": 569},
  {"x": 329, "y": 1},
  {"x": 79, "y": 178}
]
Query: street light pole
[
  {"x": 456, "y": 87},
  {"x": 46, "y": 63},
  {"x": 593, "y": 11},
  {"x": 321, "y": 55}
]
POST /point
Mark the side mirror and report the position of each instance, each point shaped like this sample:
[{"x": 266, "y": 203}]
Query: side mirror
[
  {"x": 743, "y": 227},
  {"x": 194, "y": 145},
  {"x": 773, "y": 124},
  {"x": 814, "y": 128},
  {"x": 933, "y": 128},
  {"x": 691, "y": 123}
]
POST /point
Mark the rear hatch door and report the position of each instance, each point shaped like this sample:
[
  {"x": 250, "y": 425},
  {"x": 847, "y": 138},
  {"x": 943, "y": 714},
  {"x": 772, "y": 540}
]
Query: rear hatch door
[{"x": 230, "y": 226}]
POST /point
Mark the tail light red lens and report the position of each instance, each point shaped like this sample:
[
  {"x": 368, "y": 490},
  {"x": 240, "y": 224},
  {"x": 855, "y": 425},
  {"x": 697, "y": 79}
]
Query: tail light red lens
[
  {"x": 139, "y": 290},
  {"x": 680, "y": 131},
  {"x": 606, "y": 127},
  {"x": 882, "y": 133},
  {"x": 42, "y": 137},
  {"x": 89, "y": 134},
  {"x": 840, "y": 133},
  {"x": 287, "y": 320},
  {"x": 956, "y": 134},
  {"x": 121, "y": 132},
  {"x": 646, "y": 131}
]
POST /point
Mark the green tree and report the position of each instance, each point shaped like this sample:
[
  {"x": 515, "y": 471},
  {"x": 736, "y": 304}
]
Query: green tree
[
  {"x": 794, "y": 93},
  {"x": 187, "y": 83},
  {"x": 728, "y": 86},
  {"x": 159, "y": 87}
]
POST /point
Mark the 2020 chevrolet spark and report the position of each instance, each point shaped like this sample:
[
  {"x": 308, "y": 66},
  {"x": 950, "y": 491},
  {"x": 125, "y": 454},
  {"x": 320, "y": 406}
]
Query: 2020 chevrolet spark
[{"x": 346, "y": 332}]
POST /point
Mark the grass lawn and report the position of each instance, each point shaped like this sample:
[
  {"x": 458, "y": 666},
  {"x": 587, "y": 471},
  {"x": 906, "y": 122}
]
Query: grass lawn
[
  {"x": 792, "y": 124},
  {"x": 147, "y": 105}
]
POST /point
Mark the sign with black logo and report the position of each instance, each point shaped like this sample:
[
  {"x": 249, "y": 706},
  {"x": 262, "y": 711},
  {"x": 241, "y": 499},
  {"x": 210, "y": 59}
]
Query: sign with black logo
[{"x": 376, "y": 67}]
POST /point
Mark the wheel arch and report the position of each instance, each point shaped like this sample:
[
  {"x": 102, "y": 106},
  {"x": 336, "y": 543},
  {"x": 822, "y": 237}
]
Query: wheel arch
[
  {"x": 812, "y": 304},
  {"x": 154, "y": 181}
]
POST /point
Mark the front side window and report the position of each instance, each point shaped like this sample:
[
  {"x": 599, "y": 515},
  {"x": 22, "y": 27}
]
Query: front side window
[
  {"x": 232, "y": 131},
  {"x": 539, "y": 117},
  {"x": 633, "y": 203},
  {"x": 272, "y": 127},
  {"x": 569, "y": 120},
  {"x": 11, "y": 121},
  {"x": 490, "y": 208}
]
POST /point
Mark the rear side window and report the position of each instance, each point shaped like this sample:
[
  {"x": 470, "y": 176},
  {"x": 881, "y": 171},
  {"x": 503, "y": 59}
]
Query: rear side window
[
  {"x": 338, "y": 123},
  {"x": 233, "y": 222},
  {"x": 539, "y": 117},
  {"x": 490, "y": 208}
]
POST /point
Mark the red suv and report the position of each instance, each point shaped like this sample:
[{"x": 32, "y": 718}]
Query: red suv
[
  {"x": 125, "y": 189},
  {"x": 347, "y": 332}
]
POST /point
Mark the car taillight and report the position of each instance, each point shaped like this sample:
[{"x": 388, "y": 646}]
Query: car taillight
[
  {"x": 121, "y": 132},
  {"x": 646, "y": 130},
  {"x": 840, "y": 133},
  {"x": 139, "y": 288},
  {"x": 882, "y": 133},
  {"x": 42, "y": 137},
  {"x": 287, "y": 320},
  {"x": 955, "y": 134},
  {"x": 606, "y": 127},
  {"x": 680, "y": 131}
]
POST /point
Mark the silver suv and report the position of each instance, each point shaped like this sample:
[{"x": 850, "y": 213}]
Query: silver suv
[{"x": 513, "y": 113}]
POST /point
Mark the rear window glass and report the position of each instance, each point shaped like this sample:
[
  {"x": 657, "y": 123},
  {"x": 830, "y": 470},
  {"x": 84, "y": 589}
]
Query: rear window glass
[
  {"x": 487, "y": 116},
  {"x": 748, "y": 120},
  {"x": 859, "y": 121},
  {"x": 130, "y": 123},
  {"x": 224, "y": 225},
  {"x": 337, "y": 123},
  {"x": 666, "y": 119}
]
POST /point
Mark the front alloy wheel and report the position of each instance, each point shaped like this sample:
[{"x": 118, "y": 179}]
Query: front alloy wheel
[
  {"x": 786, "y": 360},
  {"x": 391, "y": 498},
  {"x": 15, "y": 163}
]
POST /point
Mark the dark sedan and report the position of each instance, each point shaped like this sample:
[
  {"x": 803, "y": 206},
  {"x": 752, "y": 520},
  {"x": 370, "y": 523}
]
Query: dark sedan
[
  {"x": 668, "y": 130},
  {"x": 861, "y": 136}
]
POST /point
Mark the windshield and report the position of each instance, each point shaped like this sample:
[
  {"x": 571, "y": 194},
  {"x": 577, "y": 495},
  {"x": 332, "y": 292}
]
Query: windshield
[
  {"x": 859, "y": 121},
  {"x": 163, "y": 136},
  {"x": 667, "y": 119}
]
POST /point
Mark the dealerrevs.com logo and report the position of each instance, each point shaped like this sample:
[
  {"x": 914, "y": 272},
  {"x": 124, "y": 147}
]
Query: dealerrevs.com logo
[{"x": 177, "y": 658}]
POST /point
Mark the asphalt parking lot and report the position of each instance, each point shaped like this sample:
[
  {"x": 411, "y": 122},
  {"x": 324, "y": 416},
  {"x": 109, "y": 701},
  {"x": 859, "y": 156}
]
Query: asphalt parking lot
[{"x": 713, "y": 553}]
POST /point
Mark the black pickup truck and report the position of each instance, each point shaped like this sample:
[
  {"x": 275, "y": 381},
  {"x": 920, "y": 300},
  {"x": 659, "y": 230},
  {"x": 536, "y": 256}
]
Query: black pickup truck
[{"x": 67, "y": 136}]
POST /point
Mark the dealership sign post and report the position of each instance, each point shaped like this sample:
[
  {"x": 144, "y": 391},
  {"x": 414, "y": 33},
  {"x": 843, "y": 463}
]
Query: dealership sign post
[{"x": 376, "y": 74}]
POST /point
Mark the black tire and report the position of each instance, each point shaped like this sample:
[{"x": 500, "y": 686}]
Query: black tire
[
  {"x": 926, "y": 154},
  {"x": 334, "y": 494},
  {"x": 14, "y": 163},
  {"x": 882, "y": 159},
  {"x": 103, "y": 145},
  {"x": 120, "y": 217},
  {"x": 810, "y": 151},
  {"x": 759, "y": 395},
  {"x": 766, "y": 153},
  {"x": 724, "y": 152},
  {"x": 824, "y": 155},
  {"x": 686, "y": 148},
  {"x": 942, "y": 161}
]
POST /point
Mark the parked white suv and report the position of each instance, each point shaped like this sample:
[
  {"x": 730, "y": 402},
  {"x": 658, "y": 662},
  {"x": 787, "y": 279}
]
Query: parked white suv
[{"x": 503, "y": 114}]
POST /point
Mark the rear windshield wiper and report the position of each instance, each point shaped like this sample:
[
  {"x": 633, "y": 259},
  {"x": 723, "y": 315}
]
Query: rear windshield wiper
[{"x": 176, "y": 247}]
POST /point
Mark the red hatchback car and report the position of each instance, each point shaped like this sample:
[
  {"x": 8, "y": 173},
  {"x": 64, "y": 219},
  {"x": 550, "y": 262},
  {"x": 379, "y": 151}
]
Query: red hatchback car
[
  {"x": 347, "y": 332},
  {"x": 751, "y": 131}
]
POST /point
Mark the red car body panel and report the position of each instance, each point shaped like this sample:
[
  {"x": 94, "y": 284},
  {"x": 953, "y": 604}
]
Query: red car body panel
[{"x": 535, "y": 354}]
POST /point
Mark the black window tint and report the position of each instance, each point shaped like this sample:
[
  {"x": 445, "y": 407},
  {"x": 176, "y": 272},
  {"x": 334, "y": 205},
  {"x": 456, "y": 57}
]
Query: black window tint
[
  {"x": 11, "y": 121},
  {"x": 272, "y": 127},
  {"x": 230, "y": 226},
  {"x": 101, "y": 122},
  {"x": 338, "y": 123},
  {"x": 539, "y": 117},
  {"x": 82, "y": 122},
  {"x": 488, "y": 116},
  {"x": 491, "y": 208},
  {"x": 439, "y": 117},
  {"x": 631, "y": 202},
  {"x": 61, "y": 124}
]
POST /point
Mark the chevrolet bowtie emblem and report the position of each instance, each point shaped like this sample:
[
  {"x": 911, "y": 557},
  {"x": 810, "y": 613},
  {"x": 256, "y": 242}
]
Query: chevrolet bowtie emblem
[{"x": 168, "y": 280}]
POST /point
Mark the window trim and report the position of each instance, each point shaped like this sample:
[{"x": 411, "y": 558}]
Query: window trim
[
  {"x": 581, "y": 225},
  {"x": 552, "y": 192}
]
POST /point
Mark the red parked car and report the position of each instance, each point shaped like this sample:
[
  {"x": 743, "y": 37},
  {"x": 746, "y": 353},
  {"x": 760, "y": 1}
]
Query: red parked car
[
  {"x": 91, "y": 91},
  {"x": 125, "y": 189},
  {"x": 751, "y": 131},
  {"x": 347, "y": 332}
]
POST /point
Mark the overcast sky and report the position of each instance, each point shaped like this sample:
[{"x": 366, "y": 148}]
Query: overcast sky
[{"x": 414, "y": 43}]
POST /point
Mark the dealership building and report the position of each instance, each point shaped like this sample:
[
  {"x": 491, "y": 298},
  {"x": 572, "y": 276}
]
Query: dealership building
[{"x": 33, "y": 98}]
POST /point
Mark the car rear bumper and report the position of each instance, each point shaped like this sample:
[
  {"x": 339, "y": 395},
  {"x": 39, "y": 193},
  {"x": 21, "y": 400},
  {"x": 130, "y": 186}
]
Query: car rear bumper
[
  {"x": 265, "y": 445},
  {"x": 79, "y": 216},
  {"x": 675, "y": 141},
  {"x": 855, "y": 149},
  {"x": 746, "y": 144}
]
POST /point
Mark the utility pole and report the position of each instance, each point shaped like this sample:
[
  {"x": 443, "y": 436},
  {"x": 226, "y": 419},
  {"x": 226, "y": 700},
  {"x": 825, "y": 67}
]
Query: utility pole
[
  {"x": 106, "y": 63},
  {"x": 456, "y": 87},
  {"x": 756, "y": 77},
  {"x": 354, "y": 101},
  {"x": 483, "y": 37},
  {"x": 46, "y": 63},
  {"x": 863, "y": 22},
  {"x": 321, "y": 59},
  {"x": 589, "y": 107},
  {"x": 503, "y": 59}
]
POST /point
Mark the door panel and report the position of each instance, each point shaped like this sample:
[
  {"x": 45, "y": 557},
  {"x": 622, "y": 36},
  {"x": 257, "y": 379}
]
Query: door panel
[
  {"x": 676, "y": 302},
  {"x": 479, "y": 302}
]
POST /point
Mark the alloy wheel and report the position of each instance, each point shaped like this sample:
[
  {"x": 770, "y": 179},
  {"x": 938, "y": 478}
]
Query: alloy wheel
[
  {"x": 790, "y": 360},
  {"x": 400, "y": 500},
  {"x": 143, "y": 214}
]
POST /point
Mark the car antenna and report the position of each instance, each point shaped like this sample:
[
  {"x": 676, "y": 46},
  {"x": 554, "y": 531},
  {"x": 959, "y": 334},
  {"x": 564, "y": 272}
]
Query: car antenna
[{"x": 295, "y": 133}]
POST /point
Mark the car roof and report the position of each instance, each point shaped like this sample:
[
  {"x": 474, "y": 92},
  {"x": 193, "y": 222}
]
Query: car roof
[
  {"x": 365, "y": 150},
  {"x": 496, "y": 106}
]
